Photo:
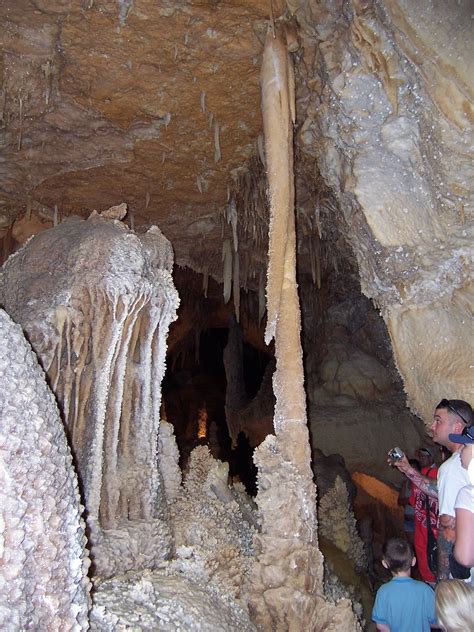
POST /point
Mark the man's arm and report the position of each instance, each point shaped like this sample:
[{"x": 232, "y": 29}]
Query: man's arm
[
  {"x": 446, "y": 539},
  {"x": 427, "y": 485},
  {"x": 381, "y": 627},
  {"x": 464, "y": 546}
]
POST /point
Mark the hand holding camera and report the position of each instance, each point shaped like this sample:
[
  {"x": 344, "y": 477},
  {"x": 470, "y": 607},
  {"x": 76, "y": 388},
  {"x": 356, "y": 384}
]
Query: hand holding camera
[
  {"x": 395, "y": 454},
  {"x": 397, "y": 458}
]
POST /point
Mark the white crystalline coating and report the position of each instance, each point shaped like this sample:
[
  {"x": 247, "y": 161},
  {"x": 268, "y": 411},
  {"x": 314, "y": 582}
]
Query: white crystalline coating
[
  {"x": 338, "y": 524},
  {"x": 96, "y": 301},
  {"x": 43, "y": 563},
  {"x": 213, "y": 540},
  {"x": 131, "y": 545},
  {"x": 154, "y": 601}
]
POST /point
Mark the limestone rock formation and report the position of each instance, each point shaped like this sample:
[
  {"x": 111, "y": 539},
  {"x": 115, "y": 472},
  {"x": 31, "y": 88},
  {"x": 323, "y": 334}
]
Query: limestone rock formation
[
  {"x": 351, "y": 372},
  {"x": 43, "y": 562},
  {"x": 387, "y": 111},
  {"x": 156, "y": 105},
  {"x": 213, "y": 539},
  {"x": 96, "y": 302},
  {"x": 337, "y": 523}
]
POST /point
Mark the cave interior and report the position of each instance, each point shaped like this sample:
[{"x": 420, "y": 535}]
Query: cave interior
[{"x": 216, "y": 382}]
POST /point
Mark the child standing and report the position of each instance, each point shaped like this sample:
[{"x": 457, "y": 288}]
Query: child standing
[{"x": 403, "y": 604}]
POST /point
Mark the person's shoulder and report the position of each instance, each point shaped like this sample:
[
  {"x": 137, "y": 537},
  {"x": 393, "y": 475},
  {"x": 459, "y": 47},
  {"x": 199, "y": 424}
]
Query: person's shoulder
[
  {"x": 387, "y": 587},
  {"x": 422, "y": 587},
  {"x": 453, "y": 461}
]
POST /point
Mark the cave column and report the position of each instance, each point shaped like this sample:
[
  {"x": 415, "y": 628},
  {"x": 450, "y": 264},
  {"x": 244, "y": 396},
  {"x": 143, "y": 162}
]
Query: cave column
[{"x": 289, "y": 571}]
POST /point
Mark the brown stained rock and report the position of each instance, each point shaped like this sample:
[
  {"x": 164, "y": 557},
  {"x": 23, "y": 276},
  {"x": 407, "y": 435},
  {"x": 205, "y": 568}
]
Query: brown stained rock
[
  {"x": 25, "y": 228},
  {"x": 103, "y": 107}
]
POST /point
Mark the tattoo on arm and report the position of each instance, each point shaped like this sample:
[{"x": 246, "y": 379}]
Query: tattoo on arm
[
  {"x": 427, "y": 485},
  {"x": 446, "y": 538}
]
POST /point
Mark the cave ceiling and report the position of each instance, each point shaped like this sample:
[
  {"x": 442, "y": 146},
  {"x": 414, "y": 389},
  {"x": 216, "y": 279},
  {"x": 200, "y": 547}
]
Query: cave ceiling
[{"x": 155, "y": 104}]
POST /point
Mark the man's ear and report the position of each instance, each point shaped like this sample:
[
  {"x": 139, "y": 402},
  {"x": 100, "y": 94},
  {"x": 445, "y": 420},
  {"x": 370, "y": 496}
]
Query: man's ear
[
  {"x": 384, "y": 564},
  {"x": 413, "y": 562}
]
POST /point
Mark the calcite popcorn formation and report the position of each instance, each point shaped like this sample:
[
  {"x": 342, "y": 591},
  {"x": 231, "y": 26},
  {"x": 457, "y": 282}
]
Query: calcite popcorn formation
[
  {"x": 43, "y": 563},
  {"x": 153, "y": 601},
  {"x": 213, "y": 526},
  {"x": 96, "y": 301}
]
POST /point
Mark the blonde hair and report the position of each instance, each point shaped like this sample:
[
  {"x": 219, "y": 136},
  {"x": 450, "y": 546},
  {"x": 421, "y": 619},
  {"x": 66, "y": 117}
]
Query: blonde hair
[{"x": 455, "y": 605}]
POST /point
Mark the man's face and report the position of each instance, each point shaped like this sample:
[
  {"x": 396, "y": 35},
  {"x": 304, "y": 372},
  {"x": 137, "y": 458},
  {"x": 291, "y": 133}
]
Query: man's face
[{"x": 444, "y": 424}]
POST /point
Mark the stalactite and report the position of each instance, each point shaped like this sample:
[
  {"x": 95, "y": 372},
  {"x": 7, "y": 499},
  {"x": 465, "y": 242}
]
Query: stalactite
[
  {"x": 318, "y": 262},
  {"x": 231, "y": 215},
  {"x": 236, "y": 286},
  {"x": 199, "y": 183},
  {"x": 227, "y": 271},
  {"x": 205, "y": 280},
  {"x": 311, "y": 260},
  {"x": 278, "y": 116},
  {"x": 217, "y": 144},
  {"x": 244, "y": 269}
]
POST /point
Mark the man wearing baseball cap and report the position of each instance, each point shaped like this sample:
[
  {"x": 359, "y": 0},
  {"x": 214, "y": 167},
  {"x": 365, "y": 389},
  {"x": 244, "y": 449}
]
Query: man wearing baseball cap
[{"x": 451, "y": 417}]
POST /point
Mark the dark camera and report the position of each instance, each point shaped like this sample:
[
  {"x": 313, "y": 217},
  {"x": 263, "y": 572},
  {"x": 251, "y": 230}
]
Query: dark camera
[{"x": 395, "y": 454}]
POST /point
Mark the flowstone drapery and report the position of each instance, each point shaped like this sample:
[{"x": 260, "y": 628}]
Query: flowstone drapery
[
  {"x": 95, "y": 301},
  {"x": 43, "y": 563}
]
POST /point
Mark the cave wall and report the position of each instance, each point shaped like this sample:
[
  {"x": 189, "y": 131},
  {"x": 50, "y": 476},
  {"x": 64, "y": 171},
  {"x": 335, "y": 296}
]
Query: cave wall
[{"x": 386, "y": 106}]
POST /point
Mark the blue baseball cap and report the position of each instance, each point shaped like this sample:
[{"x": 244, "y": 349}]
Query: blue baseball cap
[{"x": 466, "y": 437}]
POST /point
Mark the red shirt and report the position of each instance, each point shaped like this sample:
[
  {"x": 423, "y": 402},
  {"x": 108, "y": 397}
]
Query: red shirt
[{"x": 417, "y": 499}]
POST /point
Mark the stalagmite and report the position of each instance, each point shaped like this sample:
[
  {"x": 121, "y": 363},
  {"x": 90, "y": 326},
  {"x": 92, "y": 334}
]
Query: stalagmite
[
  {"x": 289, "y": 573},
  {"x": 43, "y": 562}
]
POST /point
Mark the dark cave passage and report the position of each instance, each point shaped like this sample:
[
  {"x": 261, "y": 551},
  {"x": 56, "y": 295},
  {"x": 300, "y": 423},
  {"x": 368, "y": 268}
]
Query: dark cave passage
[{"x": 194, "y": 397}]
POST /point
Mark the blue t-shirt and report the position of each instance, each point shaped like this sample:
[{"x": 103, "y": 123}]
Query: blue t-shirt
[{"x": 405, "y": 605}]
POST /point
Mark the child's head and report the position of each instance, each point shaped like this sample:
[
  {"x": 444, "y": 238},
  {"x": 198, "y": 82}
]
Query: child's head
[
  {"x": 398, "y": 556},
  {"x": 455, "y": 605}
]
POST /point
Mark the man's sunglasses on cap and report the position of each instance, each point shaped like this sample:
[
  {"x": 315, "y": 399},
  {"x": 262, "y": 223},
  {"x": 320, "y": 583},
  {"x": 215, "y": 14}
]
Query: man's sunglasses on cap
[{"x": 445, "y": 403}]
